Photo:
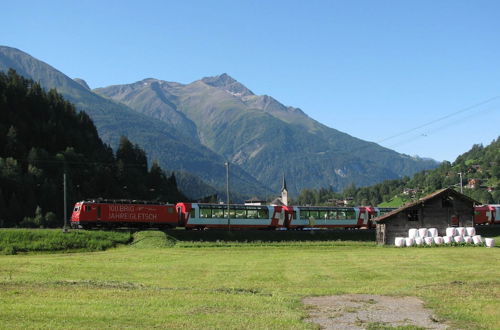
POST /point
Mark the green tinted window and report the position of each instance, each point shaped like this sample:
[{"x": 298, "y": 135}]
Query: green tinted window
[
  {"x": 263, "y": 213},
  {"x": 205, "y": 213},
  {"x": 252, "y": 214},
  {"x": 218, "y": 213}
]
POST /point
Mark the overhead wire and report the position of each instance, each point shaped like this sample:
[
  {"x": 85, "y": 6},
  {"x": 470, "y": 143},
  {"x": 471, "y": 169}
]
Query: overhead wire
[{"x": 471, "y": 107}]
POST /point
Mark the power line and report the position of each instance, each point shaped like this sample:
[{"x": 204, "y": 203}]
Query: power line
[{"x": 441, "y": 118}]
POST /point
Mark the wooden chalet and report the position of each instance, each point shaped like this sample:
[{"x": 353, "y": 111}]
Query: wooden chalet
[{"x": 441, "y": 209}]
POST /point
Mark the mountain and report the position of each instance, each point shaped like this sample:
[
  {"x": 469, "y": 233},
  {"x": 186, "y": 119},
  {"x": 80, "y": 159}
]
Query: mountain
[
  {"x": 196, "y": 127},
  {"x": 263, "y": 136},
  {"x": 162, "y": 140}
]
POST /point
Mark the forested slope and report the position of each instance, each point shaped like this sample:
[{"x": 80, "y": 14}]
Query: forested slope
[
  {"x": 41, "y": 137},
  {"x": 479, "y": 168}
]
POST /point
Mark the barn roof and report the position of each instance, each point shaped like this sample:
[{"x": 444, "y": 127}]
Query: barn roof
[{"x": 446, "y": 191}]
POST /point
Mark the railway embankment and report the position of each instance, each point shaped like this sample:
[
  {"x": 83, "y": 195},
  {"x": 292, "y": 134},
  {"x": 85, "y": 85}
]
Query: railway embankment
[{"x": 14, "y": 241}]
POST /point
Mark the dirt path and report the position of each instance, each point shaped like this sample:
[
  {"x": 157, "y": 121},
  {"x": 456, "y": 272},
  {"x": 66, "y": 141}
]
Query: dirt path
[{"x": 362, "y": 311}]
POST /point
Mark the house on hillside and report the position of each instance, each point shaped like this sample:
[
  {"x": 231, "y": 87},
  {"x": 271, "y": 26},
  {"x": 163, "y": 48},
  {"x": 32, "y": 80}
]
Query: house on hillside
[
  {"x": 441, "y": 209},
  {"x": 473, "y": 183}
]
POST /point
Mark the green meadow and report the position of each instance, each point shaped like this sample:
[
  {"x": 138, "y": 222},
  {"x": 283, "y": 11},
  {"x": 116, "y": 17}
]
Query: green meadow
[{"x": 161, "y": 281}]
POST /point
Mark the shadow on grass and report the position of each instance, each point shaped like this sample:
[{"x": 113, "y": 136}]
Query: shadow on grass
[{"x": 271, "y": 235}]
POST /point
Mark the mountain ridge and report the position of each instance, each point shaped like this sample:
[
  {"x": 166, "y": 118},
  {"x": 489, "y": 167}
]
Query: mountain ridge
[
  {"x": 198, "y": 126},
  {"x": 223, "y": 117},
  {"x": 114, "y": 119}
]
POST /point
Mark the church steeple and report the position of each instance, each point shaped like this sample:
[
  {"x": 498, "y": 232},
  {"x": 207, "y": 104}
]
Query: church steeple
[{"x": 284, "y": 192}]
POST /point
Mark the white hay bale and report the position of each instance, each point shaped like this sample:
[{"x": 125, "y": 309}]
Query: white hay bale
[
  {"x": 447, "y": 239},
  {"x": 451, "y": 231},
  {"x": 468, "y": 239},
  {"x": 399, "y": 241},
  {"x": 438, "y": 240},
  {"x": 422, "y": 232},
  {"x": 460, "y": 231},
  {"x": 470, "y": 231},
  {"x": 489, "y": 242},
  {"x": 419, "y": 241},
  {"x": 412, "y": 233},
  {"x": 429, "y": 240},
  {"x": 458, "y": 239},
  {"x": 432, "y": 232},
  {"x": 409, "y": 241},
  {"x": 477, "y": 239}
]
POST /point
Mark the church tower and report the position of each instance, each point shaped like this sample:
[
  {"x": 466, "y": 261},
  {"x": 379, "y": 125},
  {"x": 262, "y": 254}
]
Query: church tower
[{"x": 284, "y": 192}]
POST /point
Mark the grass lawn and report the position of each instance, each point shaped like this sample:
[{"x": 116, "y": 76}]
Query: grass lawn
[{"x": 239, "y": 285}]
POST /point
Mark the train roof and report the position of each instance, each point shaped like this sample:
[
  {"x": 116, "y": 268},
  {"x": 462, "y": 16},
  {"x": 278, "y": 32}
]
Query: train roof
[{"x": 123, "y": 201}]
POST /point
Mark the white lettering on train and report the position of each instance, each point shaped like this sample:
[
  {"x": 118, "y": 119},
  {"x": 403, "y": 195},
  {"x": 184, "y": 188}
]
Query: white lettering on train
[{"x": 133, "y": 216}]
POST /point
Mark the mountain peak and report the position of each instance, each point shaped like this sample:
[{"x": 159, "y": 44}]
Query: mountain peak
[
  {"x": 82, "y": 82},
  {"x": 229, "y": 84}
]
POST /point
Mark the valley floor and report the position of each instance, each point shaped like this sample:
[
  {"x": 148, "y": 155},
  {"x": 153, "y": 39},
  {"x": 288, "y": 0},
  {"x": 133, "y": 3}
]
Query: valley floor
[{"x": 240, "y": 285}]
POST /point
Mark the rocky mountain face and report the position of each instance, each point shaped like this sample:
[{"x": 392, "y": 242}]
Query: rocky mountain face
[
  {"x": 262, "y": 135},
  {"x": 196, "y": 127}
]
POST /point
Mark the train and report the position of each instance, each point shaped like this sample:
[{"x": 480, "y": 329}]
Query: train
[
  {"x": 487, "y": 214},
  {"x": 100, "y": 213}
]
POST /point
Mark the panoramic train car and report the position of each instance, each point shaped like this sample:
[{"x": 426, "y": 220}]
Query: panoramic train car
[
  {"x": 119, "y": 213},
  {"x": 327, "y": 217},
  {"x": 487, "y": 214},
  {"x": 202, "y": 216}
]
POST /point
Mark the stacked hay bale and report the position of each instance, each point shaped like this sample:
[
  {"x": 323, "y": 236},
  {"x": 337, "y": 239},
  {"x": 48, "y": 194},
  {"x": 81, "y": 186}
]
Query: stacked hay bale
[{"x": 430, "y": 236}]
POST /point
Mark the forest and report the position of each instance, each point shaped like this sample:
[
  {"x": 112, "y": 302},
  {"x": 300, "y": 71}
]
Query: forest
[{"x": 43, "y": 137}]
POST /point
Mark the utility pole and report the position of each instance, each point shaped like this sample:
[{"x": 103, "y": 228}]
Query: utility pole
[
  {"x": 461, "y": 185},
  {"x": 65, "y": 228},
  {"x": 227, "y": 193}
]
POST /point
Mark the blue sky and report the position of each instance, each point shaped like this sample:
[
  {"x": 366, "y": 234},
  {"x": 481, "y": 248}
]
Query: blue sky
[{"x": 372, "y": 69}]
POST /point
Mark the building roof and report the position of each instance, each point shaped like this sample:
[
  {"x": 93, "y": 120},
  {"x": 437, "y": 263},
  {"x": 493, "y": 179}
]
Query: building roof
[
  {"x": 283, "y": 185},
  {"x": 278, "y": 202},
  {"x": 446, "y": 191}
]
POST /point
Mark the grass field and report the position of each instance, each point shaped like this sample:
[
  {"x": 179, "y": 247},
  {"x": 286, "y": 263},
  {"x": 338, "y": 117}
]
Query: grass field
[
  {"x": 13, "y": 241},
  {"x": 160, "y": 282}
]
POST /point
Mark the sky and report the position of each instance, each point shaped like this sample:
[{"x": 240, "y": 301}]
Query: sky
[{"x": 420, "y": 77}]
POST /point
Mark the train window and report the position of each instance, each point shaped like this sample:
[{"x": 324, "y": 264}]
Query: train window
[
  {"x": 304, "y": 214},
  {"x": 314, "y": 214},
  {"x": 295, "y": 215},
  {"x": 76, "y": 209},
  {"x": 332, "y": 215},
  {"x": 350, "y": 214},
  {"x": 263, "y": 214},
  {"x": 323, "y": 215},
  {"x": 88, "y": 208},
  {"x": 252, "y": 214},
  {"x": 218, "y": 213},
  {"x": 192, "y": 214},
  {"x": 241, "y": 214},
  {"x": 170, "y": 209},
  {"x": 232, "y": 213},
  {"x": 205, "y": 213}
]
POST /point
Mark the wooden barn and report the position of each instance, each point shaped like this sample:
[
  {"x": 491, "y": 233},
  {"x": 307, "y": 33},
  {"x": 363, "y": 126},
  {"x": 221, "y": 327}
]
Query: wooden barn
[{"x": 441, "y": 209}]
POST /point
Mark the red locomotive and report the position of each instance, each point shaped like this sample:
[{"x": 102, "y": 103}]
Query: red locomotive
[
  {"x": 487, "y": 214},
  {"x": 119, "y": 213}
]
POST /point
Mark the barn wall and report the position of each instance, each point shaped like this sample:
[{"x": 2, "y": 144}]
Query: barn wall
[{"x": 432, "y": 214}]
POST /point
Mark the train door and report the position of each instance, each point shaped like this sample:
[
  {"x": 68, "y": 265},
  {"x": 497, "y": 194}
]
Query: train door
[
  {"x": 180, "y": 221},
  {"x": 99, "y": 212}
]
